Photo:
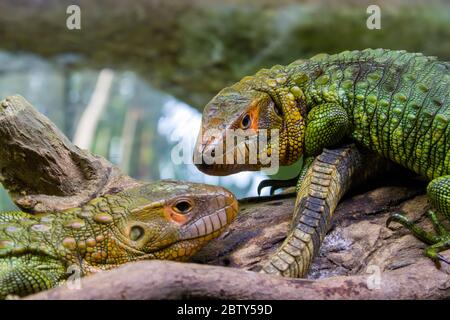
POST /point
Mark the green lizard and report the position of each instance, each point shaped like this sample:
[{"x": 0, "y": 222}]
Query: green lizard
[
  {"x": 163, "y": 220},
  {"x": 393, "y": 103}
]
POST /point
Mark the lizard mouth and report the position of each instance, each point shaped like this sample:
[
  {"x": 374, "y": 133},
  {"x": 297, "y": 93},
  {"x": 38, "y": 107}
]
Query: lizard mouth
[
  {"x": 226, "y": 169},
  {"x": 211, "y": 223},
  {"x": 233, "y": 138},
  {"x": 234, "y": 159}
]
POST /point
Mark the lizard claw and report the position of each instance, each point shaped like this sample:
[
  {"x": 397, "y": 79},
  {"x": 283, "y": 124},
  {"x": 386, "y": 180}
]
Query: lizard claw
[
  {"x": 263, "y": 184},
  {"x": 440, "y": 257},
  {"x": 396, "y": 217},
  {"x": 276, "y": 184}
]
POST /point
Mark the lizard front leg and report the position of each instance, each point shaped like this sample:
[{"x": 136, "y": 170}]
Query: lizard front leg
[
  {"x": 278, "y": 184},
  {"x": 327, "y": 125},
  {"x": 22, "y": 276}
]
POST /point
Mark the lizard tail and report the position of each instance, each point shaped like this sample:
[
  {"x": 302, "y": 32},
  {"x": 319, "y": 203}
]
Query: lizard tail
[{"x": 329, "y": 177}]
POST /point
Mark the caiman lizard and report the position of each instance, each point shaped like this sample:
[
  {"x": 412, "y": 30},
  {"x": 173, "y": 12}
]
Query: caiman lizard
[
  {"x": 162, "y": 220},
  {"x": 394, "y": 104}
]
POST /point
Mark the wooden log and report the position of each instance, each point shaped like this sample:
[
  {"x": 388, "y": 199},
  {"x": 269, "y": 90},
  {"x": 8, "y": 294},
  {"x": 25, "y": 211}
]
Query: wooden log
[
  {"x": 42, "y": 170},
  {"x": 171, "y": 280}
]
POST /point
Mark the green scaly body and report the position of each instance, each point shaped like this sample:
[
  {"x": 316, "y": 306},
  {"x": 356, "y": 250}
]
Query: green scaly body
[
  {"x": 397, "y": 104},
  {"x": 393, "y": 103},
  {"x": 163, "y": 220}
]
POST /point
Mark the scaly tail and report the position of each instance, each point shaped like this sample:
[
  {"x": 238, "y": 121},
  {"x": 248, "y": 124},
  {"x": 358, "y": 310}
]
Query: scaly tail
[{"x": 329, "y": 177}]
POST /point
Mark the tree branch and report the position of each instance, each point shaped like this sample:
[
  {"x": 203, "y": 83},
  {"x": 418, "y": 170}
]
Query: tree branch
[
  {"x": 171, "y": 280},
  {"x": 38, "y": 163}
]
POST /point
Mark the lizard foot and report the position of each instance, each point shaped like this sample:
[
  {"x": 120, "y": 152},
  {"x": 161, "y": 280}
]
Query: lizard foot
[
  {"x": 276, "y": 184},
  {"x": 438, "y": 242}
]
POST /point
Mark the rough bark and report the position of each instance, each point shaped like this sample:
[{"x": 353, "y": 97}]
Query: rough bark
[
  {"x": 172, "y": 280},
  {"x": 42, "y": 169},
  {"x": 357, "y": 244},
  {"x": 360, "y": 257}
]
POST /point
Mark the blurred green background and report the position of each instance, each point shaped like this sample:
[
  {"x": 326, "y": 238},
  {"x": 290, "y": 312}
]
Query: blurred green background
[{"x": 130, "y": 85}]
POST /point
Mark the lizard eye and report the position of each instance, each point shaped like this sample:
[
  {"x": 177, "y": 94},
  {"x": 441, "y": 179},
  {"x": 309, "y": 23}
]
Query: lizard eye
[
  {"x": 136, "y": 233},
  {"x": 183, "y": 207},
  {"x": 246, "y": 121},
  {"x": 277, "y": 110}
]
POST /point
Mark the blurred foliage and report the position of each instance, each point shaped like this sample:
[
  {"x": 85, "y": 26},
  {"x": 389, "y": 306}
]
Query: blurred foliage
[{"x": 192, "y": 49}]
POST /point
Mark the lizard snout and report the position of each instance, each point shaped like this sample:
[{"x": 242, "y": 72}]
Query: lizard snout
[{"x": 206, "y": 155}]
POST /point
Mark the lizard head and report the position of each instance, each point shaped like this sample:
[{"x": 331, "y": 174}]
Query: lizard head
[
  {"x": 244, "y": 125},
  {"x": 174, "y": 219}
]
